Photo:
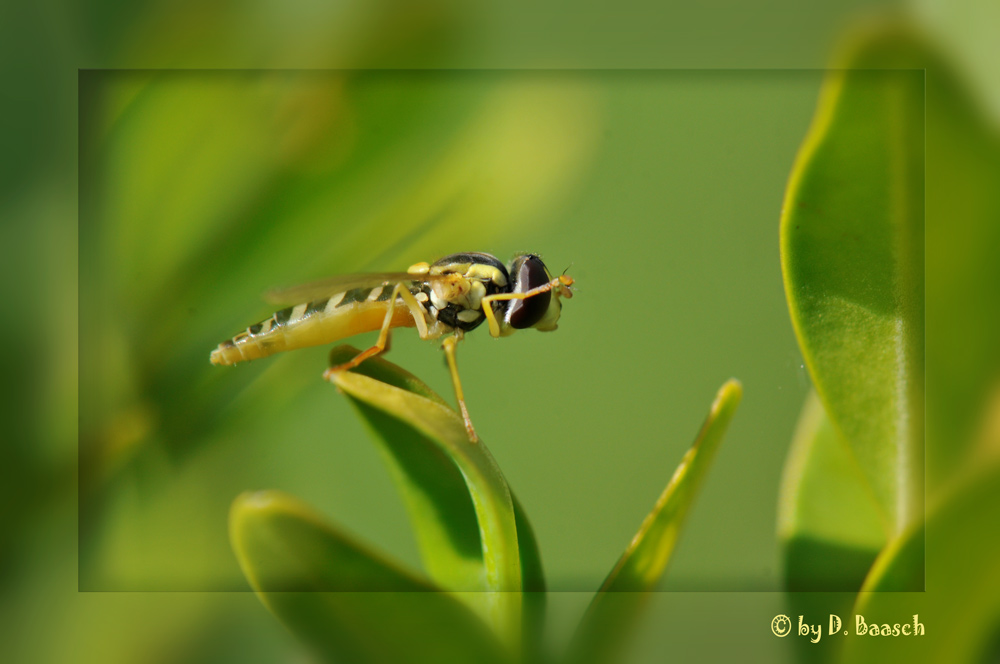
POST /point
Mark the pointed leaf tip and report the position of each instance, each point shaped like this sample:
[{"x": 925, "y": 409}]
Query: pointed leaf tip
[{"x": 613, "y": 610}]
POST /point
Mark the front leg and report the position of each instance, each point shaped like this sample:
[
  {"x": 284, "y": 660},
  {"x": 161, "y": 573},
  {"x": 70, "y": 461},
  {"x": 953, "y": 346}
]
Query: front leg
[{"x": 561, "y": 285}]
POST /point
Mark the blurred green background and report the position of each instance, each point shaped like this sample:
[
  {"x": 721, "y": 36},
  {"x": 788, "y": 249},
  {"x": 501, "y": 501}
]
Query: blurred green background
[{"x": 200, "y": 188}]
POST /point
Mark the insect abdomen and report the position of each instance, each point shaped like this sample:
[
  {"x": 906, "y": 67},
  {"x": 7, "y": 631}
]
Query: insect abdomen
[{"x": 314, "y": 323}]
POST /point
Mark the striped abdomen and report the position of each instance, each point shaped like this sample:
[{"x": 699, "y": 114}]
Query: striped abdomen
[{"x": 314, "y": 323}]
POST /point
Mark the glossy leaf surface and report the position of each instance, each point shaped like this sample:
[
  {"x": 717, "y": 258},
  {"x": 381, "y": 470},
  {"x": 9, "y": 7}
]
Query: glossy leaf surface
[{"x": 852, "y": 256}]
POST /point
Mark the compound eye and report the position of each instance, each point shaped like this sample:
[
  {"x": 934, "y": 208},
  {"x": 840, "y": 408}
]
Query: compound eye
[{"x": 528, "y": 272}]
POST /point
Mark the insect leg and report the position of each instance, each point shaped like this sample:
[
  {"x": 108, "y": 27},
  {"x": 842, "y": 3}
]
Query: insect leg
[
  {"x": 449, "y": 350},
  {"x": 561, "y": 283},
  {"x": 381, "y": 344},
  {"x": 416, "y": 310}
]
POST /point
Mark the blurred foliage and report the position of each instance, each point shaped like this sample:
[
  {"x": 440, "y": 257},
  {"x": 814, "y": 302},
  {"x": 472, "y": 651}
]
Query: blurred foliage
[
  {"x": 163, "y": 239},
  {"x": 963, "y": 583},
  {"x": 827, "y": 519},
  {"x": 874, "y": 198},
  {"x": 166, "y": 263},
  {"x": 342, "y": 599}
]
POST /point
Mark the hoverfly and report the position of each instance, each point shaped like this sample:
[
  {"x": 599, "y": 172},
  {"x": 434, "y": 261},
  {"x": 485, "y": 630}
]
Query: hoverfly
[{"x": 451, "y": 296}]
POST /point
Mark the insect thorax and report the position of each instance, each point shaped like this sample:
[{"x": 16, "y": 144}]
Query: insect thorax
[{"x": 457, "y": 303}]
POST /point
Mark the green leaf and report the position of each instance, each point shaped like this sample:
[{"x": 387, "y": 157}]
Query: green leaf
[
  {"x": 432, "y": 487},
  {"x": 435, "y": 492},
  {"x": 620, "y": 599},
  {"x": 828, "y": 523},
  {"x": 961, "y": 609},
  {"x": 961, "y": 606},
  {"x": 343, "y": 600},
  {"x": 456, "y": 494},
  {"x": 852, "y": 256}
]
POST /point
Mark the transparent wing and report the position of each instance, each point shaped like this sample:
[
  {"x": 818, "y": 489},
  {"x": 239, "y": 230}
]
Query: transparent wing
[{"x": 317, "y": 290}]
